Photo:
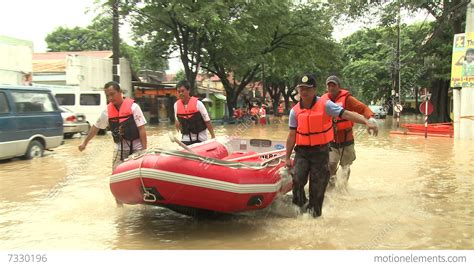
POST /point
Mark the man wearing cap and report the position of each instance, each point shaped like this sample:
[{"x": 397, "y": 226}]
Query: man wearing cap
[
  {"x": 310, "y": 123},
  {"x": 342, "y": 148}
]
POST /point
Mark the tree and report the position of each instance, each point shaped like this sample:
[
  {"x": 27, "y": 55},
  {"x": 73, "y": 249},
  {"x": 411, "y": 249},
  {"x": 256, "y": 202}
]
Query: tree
[
  {"x": 371, "y": 68},
  {"x": 95, "y": 37},
  {"x": 231, "y": 39},
  {"x": 434, "y": 46},
  {"x": 169, "y": 25},
  {"x": 256, "y": 35},
  {"x": 180, "y": 75}
]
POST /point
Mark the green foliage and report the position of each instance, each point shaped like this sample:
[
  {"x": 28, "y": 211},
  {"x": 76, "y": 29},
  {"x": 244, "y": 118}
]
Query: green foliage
[
  {"x": 288, "y": 40},
  {"x": 77, "y": 39},
  {"x": 313, "y": 51},
  {"x": 425, "y": 49},
  {"x": 180, "y": 75},
  {"x": 233, "y": 39},
  {"x": 371, "y": 62}
]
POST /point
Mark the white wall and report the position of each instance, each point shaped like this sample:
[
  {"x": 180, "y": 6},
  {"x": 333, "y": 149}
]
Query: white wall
[
  {"x": 16, "y": 60},
  {"x": 92, "y": 73},
  {"x": 88, "y": 72},
  {"x": 125, "y": 77}
]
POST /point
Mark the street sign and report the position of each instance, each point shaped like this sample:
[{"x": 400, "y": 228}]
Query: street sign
[
  {"x": 424, "y": 110},
  {"x": 398, "y": 108}
]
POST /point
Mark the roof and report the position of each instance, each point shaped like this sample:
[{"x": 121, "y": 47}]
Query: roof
[
  {"x": 206, "y": 89},
  {"x": 214, "y": 78},
  {"x": 220, "y": 96},
  {"x": 170, "y": 77},
  {"x": 20, "y": 87},
  {"x": 15, "y": 41},
  {"x": 63, "y": 55},
  {"x": 42, "y": 66},
  {"x": 53, "y": 62}
]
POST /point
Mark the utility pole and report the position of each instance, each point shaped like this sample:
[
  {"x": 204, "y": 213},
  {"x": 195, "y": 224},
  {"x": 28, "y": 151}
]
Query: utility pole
[
  {"x": 399, "y": 65},
  {"x": 466, "y": 122},
  {"x": 264, "y": 91},
  {"x": 115, "y": 41},
  {"x": 398, "y": 57}
]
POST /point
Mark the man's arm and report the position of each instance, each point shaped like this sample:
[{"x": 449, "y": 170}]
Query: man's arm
[
  {"x": 210, "y": 128},
  {"x": 290, "y": 144},
  {"x": 176, "y": 121},
  {"x": 357, "y": 118},
  {"x": 92, "y": 132},
  {"x": 142, "y": 134},
  {"x": 352, "y": 104},
  {"x": 176, "y": 124}
]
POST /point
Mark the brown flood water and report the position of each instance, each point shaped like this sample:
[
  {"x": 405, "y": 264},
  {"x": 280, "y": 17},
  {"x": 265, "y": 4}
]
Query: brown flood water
[{"x": 405, "y": 192}]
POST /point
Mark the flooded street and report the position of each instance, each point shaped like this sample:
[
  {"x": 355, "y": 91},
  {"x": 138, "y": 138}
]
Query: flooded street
[{"x": 404, "y": 192}]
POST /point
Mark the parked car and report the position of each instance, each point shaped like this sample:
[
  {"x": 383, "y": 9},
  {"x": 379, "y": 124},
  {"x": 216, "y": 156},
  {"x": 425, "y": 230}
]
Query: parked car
[
  {"x": 73, "y": 122},
  {"x": 91, "y": 103},
  {"x": 379, "y": 111},
  {"x": 30, "y": 122}
]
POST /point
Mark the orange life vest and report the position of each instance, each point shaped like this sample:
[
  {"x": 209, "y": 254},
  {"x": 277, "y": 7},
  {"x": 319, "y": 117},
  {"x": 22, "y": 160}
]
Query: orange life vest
[
  {"x": 314, "y": 125},
  {"x": 190, "y": 119},
  {"x": 342, "y": 124},
  {"x": 121, "y": 122}
]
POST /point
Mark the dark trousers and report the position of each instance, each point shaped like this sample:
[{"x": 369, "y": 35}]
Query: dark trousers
[{"x": 312, "y": 161}]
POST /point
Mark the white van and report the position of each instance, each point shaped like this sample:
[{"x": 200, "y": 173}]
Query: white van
[{"x": 91, "y": 103}]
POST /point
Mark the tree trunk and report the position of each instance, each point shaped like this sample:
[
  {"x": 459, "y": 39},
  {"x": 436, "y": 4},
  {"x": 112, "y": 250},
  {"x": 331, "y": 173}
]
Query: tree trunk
[
  {"x": 439, "y": 99},
  {"x": 231, "y": 103},
  {"x": 416, "y": 99}
]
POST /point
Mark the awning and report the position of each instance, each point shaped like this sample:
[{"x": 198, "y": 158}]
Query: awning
[{"x": 220, "y": 96}]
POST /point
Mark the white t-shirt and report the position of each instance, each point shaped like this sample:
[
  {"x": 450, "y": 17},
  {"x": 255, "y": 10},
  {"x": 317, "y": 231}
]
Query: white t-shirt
[
  {"x": 103, "y": 122},
  {"x": 202, "y": 136}
]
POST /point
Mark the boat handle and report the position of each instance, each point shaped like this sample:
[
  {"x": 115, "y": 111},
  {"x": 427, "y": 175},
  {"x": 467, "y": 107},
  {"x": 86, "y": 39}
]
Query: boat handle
[{"x": 146, "y": 196}]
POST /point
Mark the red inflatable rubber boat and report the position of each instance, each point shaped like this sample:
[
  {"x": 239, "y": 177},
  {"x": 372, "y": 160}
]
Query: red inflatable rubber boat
[{"x": 226, "y": 176}]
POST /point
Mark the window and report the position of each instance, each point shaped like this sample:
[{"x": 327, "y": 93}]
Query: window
[
  {"x": 66, "y": 98},
  {"x": 4, "y": 108},
  {"x": 260, "y": 143},
  {"x": 29, "y": 102},
  {"x": 90, "y": 99}
]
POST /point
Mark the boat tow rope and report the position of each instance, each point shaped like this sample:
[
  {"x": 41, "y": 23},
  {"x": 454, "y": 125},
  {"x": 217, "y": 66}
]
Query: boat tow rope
[
  {"x": 147, "y": 196},
  {"x": 208, "y": 160}
]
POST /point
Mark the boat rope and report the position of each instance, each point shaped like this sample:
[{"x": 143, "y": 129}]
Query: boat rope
[
  {"x": 209, "y": 160},
  {"x": 147, "y": 196}
]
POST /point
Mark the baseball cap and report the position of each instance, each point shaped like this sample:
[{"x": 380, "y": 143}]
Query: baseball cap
[
  {"x": 307, "y": 80},
  {"x": 333, "y": 79}
]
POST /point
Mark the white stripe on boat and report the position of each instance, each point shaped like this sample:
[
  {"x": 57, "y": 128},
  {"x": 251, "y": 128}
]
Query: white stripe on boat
[{"x": 197, "y": 181}]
